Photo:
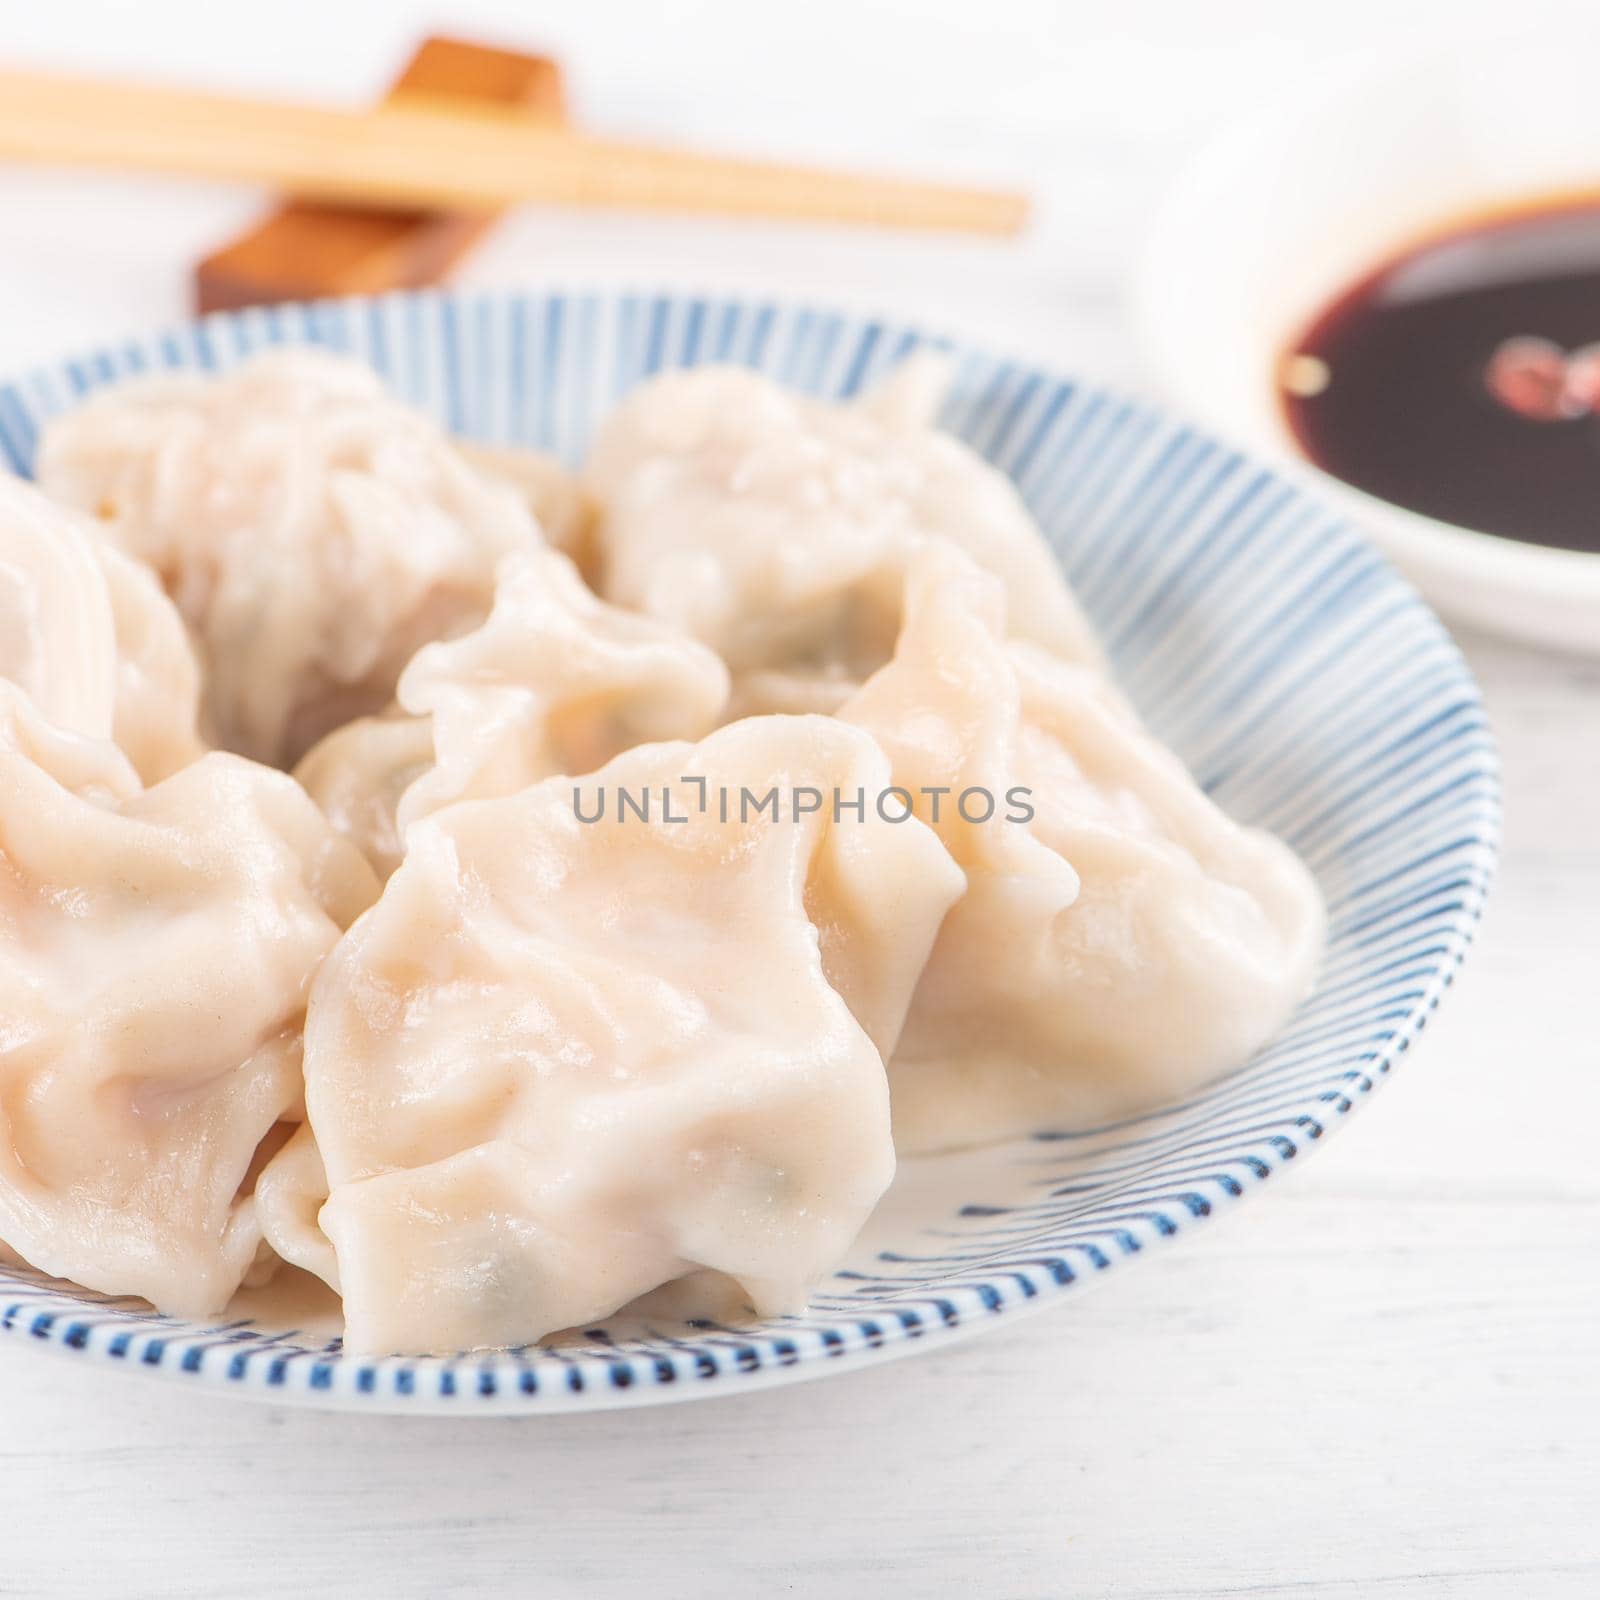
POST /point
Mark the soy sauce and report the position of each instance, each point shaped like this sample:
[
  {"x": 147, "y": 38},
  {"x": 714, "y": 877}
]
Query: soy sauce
[{"x": 1458, "y": 379}]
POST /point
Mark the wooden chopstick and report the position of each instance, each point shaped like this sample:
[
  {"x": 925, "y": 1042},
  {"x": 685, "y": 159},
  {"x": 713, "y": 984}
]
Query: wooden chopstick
[
  {"x": 310, "y": 250},
  {"x": 422, "y": 153}
]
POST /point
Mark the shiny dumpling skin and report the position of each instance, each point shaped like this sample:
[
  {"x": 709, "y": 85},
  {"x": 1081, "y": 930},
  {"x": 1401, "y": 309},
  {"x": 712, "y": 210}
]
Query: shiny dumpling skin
[
  {"x": 357, "y": 775},
  {"x": 1123, "y": 946},
  {"x": 57, "y": 629},
  {"x": 777, "y": 528},
  {"x": 290, "y": 1192},
  {"x": 89, "y": 636},
  {"x": 313, "y": 532},
  {"x": 552, "y": 492},
  {"x": 563, "y": 1062},
  {"x": 156, "y": 952},
  {"x": 553, "y": 681},
  {"x": 157, "y": 703}
]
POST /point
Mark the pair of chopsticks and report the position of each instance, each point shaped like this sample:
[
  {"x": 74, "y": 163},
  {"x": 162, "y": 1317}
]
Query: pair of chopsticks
[{"x": 438, "y": 154}]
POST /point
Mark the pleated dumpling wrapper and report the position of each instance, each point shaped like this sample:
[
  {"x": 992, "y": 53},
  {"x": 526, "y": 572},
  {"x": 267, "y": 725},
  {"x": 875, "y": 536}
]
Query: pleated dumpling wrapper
[
  {"x": 313, "y": 531},
  {"x": 358, "y": 774},
  {"x": 777, "y": 528},
  {"x": 156, "y": 951},
  {"x": 554, "y": 681},
  {"x": 89, "y": 636},
  {"x": 564, "y": 1061},
  {"x": 156, "y": 718},
  {"x": 552, "y": 492},
  {"x": 58, "y": 641},
  {"x": 1121, "y": 940}
]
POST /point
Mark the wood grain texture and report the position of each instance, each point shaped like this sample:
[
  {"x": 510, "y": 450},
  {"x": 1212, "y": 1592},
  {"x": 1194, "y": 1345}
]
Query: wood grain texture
[
  {"x": 1257, "y": 1416},
  {"x": 432, "y": 150},
  {"x": 304, "y": 251},
  {"x": 1374, "y": 1382}
]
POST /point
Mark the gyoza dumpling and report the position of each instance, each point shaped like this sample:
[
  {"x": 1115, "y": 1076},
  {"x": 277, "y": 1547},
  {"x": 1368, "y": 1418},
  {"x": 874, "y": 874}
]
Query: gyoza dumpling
[
  {"x": 290, "y": 1192},
  {"x": 156, "y": 950},
  {"x": 777, "y": 529},
  {"x": 357, "y": 775},
  {"x": 313, "y": 531},
  {"x": 551, "y": 492},
  {"x": 1121, "y": 940},
  {"x": 554, "y": 681},
  {"x": 88, "y": 635},
  {"x": 156, "y": 718},
  {"x": 57, "y": 631},
  {"x": 564, "y": 1061}
]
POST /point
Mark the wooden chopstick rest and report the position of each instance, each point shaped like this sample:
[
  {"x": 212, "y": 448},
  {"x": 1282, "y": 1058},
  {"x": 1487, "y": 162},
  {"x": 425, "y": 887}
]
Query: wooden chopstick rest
[{"x": 306, "y": 250}]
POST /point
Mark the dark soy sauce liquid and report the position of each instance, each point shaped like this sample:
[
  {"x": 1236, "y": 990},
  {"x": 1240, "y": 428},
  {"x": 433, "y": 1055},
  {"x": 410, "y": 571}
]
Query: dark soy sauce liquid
[{"x": 1405, "y": 413}]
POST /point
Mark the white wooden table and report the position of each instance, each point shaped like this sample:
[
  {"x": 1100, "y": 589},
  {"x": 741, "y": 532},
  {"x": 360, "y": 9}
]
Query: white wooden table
[{"x": 1381, "y": 1379}]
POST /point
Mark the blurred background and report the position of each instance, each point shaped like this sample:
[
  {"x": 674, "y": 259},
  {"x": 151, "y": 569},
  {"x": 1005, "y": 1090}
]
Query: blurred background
[{"x": 1093, "y": 108}]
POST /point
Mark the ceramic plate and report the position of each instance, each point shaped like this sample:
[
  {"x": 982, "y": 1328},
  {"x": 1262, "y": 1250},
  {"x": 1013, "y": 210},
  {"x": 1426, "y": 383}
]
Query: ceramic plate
[{"x": 1303, "y": 682}]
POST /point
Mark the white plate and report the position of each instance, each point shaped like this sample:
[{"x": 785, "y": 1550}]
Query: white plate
[
  {"x": 1305, "y": 684},
  {"x": 1295, "y": 204}
]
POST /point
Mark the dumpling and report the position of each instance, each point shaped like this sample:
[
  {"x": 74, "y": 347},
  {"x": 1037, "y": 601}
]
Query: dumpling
[
  {"x": 155, "y": 721},
  {"x": 563, "y": 1061},
  {"x": 777, "y": 529},
  {"x": 89, "y": 636},
  {"x": 1121, "y": 940},
  {"x": 156, "y": 951},
  {"x": 290, "y": 1192},
  {"x": 909, "y": 397},
  {"x": 554, "y": 681},
  {"x": 57, "y": 630},
  {"x": 313, "y": 531},
  {"x": 357, "y": 775},
  {"x": 551, "y": 492}
]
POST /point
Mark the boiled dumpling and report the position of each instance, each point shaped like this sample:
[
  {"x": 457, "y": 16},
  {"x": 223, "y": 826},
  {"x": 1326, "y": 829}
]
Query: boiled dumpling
[
  {"x": 313, "y": 531},
  {"x": 908, "y": 398},
  {"x": 551, "y": 492},
  {"x": 157, "y": 701},
  {"x": 156, "y": 950},
  {"x": 1121, "y": 940},
  {"x": 359, "y": 772},
  {"x": 564, "y": 1061},
  {"x": 290, "y": 1192},
  {"x": 777, "y": 529},
  {"x": 88, "y": 635},
  {"x": 554, "y": 681},
  {"x": 57, "y": 630},
  {"x": 620, "y": 1018}
]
